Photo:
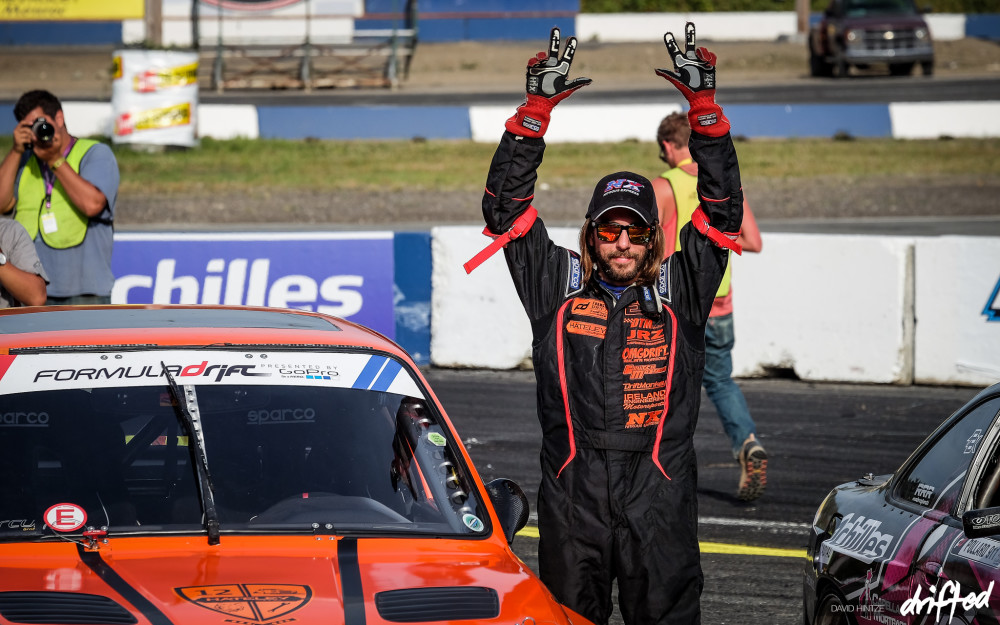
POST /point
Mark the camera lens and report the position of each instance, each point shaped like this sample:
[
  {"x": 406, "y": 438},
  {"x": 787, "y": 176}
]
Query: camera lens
[{"x": 43, "y": 130}]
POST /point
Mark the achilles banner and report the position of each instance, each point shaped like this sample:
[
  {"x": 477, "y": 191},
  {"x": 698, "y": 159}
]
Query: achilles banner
[{"x": 348, "y": 275}]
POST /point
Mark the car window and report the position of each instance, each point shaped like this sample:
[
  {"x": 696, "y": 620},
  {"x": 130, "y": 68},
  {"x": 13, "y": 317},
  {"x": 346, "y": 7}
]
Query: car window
[
  {"x": 936, "y": 479},
  {"x": 293, "y": 451}
]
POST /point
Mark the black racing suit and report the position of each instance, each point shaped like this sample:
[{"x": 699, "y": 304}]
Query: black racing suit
[{"x": 618, "y": 491}]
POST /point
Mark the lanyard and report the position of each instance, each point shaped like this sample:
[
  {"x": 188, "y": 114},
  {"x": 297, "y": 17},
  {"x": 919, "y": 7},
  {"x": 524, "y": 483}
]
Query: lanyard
[
  {"x": 50, "y": 177},
  {"x": 686, "y": 161}
]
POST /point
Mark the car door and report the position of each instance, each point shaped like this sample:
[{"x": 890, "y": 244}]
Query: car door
[{"x": 970, "y": 568}]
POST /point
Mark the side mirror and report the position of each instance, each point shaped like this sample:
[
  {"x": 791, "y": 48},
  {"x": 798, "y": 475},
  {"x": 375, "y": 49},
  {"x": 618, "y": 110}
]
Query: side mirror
[
  {"x": 981, "y": 523},
  {"x": 511, "y": 505}
]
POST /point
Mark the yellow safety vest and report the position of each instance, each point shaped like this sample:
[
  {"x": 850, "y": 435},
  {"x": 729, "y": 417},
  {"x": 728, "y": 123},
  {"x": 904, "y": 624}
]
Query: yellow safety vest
[
  {"x": 70, "y": 223},
  {"x": 685, "y": 188}
]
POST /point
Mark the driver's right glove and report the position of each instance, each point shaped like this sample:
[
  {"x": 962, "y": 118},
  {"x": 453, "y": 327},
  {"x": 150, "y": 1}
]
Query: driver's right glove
[{"x": 546, "y": 86}]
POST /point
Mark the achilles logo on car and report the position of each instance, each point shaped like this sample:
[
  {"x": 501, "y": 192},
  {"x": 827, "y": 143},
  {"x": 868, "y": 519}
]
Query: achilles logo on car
[{"x": 860, "y": 537}]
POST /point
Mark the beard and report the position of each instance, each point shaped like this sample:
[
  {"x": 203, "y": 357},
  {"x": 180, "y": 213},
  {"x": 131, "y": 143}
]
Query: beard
[{"x": 614, "y": 273}]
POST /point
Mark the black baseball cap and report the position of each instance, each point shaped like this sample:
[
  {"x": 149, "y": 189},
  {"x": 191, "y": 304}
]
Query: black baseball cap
[{"x": 624, "y": 189}]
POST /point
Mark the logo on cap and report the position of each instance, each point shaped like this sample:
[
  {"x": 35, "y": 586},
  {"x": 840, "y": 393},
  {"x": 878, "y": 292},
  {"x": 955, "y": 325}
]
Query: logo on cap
[{"x": 623, "y": 184}]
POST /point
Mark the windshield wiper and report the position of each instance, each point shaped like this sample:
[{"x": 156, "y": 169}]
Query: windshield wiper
[{"x": 186, "y": 406}]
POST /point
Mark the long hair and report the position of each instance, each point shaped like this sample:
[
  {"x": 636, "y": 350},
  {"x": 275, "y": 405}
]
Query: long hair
[{"x": 649, "y": 270}]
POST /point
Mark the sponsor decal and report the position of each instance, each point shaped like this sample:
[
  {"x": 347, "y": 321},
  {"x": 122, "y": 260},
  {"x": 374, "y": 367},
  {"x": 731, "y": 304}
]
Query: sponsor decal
[
  {"x": 663, "y": 282},
  {"x": 42, "y": 372},
  {"x": 163, "y": 117},
  {"x": 860, "y": 537},
  {"x": 531, "y": 124},
  {"x": 635, "y": 372},
  {"x": 922, "y": 495},
  {"x": 590, "y": 308},
  {"x": 635, "y": 401},
  {"x": 24, "y": 419},
  {"x": 203, "y": 369},
  {"x": 575, "y": 272},
  {"x": 983, "y": 521},
  {"x": 280, "y": 416},
  {"x": 973, "y": 441},
  {"x": 623, "y": 184},
  {"x": 153, "y": 80},
  {"x": 983, "y": 551},
  {"x": 948, "y": 596},
  {"x": 17, "y": 524},
  {"x": 249, "y": 603},
  {"x": 437, "y": 439},
  {"x": 65, "y": 517},
  {"x": 472, "y": 522},
  {"x": 992, "y": 309},
  {"x": 586, "y": 329},
  {"x": 643, "y": 419},
  {"x": 645, "y": 354}
]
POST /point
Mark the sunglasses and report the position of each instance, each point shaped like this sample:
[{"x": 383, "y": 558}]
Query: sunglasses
[{"x": 609, "y": 233}]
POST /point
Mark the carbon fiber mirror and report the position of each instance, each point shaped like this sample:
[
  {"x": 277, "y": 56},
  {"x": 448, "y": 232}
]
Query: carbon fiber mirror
[{"x": 511, "y": 505}]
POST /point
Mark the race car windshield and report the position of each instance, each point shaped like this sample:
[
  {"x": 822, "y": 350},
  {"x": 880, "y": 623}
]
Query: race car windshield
[{"x": 282, "y": 458}]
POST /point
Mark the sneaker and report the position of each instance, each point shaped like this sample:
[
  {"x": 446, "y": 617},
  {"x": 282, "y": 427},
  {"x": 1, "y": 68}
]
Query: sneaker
[{"x": 753, "y": 471}]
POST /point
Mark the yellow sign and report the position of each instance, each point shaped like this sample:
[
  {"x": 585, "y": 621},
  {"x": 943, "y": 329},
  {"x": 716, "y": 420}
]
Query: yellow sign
[
  {"x": 164, "y": 78},
  {"x": 165, "y": 117},
  {"x": 70, "y": 10}
]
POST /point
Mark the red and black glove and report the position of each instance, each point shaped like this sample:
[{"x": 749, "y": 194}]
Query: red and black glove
[
  {"x": 546, "y": 86},
  {"x": 694, "y": 77}
]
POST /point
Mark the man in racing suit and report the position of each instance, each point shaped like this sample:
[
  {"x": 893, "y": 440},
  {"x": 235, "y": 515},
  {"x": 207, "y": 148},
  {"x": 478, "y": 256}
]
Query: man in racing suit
[{"x": 618, "y": 352}]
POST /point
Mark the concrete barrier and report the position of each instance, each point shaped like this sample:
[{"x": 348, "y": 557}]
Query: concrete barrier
[
  {"x": 931, "y": 120},
  {"x": 828, "y": 308},
  {"x": 957, "y": 337}
]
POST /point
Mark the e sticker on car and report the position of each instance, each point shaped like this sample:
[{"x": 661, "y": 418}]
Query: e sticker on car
[
  {"x": 437, "y": 439},
  {"x": 65, "y": 517}
]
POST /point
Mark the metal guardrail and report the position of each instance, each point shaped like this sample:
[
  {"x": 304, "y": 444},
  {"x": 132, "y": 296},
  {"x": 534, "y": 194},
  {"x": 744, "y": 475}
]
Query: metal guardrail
[{"x": 370, "y": 57}]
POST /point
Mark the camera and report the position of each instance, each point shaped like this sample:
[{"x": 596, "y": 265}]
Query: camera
[{"x": 44, "y": 131}]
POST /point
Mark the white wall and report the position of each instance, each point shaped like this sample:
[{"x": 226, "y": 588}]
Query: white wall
[
  {"x": 831, "y": 308},
  {"x": 956, "y": 343},
  {"x": 931, "y": 120}
]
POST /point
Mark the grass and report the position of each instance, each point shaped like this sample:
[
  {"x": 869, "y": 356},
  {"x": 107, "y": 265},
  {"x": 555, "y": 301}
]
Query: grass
[{"x": 221, "y": 166}]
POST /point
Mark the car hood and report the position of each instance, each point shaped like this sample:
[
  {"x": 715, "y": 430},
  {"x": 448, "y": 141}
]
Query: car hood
[{"x": 253, "y": 580}]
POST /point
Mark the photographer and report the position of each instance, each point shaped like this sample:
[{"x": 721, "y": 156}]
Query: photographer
[{"x": 62, "y": 190}]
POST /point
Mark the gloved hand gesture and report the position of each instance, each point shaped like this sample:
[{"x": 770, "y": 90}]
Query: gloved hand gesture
[
  {"x": 547, "y": 85},
  {"x": 694, "y": 77}
]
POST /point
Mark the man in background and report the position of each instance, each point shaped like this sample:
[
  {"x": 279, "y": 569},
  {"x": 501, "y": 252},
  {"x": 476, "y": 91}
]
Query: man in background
[
  {"x": 62, "y": 189},
  {"x": 22, "y": 278},
  {"x": 677, "y": 199}
]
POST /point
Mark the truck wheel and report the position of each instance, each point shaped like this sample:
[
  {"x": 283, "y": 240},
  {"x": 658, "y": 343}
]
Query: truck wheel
[
  {"x": 901, "y": 69},
  {"x": 927, "y": 68},
  {"x": 842, "y": 67}
]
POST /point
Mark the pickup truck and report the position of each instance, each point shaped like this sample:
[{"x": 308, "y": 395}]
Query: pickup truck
[{"x": 862, "y": 33}]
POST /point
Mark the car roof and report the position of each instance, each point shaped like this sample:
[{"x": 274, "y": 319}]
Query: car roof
[{"x": 178, "y": 325}]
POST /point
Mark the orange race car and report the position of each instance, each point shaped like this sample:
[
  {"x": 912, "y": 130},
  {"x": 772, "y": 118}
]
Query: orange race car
[{"x": 189, "y": 465}]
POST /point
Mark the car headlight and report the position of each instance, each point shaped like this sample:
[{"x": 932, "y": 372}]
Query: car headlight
[
  {"x": 851, "y": 36},
  {"x": 920, "y": 33}
]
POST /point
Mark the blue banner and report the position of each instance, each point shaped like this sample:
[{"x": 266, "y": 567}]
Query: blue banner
[{"x": 348, "y": 275}]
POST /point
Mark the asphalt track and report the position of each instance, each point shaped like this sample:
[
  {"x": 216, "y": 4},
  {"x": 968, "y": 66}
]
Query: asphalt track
[{"x": 817, "y": 436}]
